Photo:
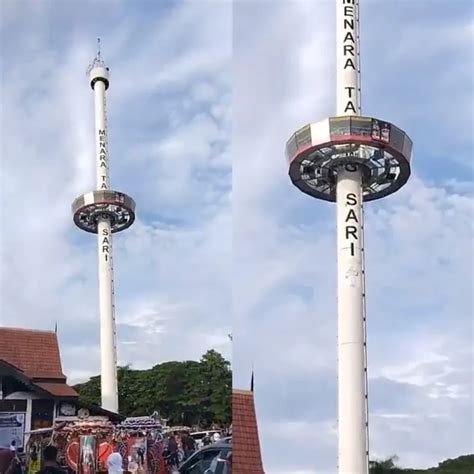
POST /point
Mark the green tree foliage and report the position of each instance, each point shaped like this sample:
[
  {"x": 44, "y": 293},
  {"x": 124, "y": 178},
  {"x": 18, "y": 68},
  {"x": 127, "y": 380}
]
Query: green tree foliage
[
  {"x": 384, "y": 466},
  {"x": 460, "y": 465},
  {"x": 189, "y": 392}
]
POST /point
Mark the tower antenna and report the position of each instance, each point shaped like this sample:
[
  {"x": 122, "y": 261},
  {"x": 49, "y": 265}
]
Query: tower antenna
[
  {"x": 104, "y": 212},
  {"x": 97, "y": 61},
  {"x": 350, "y": 159}
]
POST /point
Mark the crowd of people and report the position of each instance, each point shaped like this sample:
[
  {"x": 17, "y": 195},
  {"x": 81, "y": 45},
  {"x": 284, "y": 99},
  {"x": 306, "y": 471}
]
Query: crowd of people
[{"x": 12, "y": 463}]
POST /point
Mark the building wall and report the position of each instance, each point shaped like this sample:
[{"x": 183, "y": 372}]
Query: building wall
[{"x": 39, "y": 412}]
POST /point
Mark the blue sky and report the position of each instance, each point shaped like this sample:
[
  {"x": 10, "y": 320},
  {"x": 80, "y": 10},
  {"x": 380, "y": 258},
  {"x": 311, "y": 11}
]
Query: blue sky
[{"x": 203, "y": 97}]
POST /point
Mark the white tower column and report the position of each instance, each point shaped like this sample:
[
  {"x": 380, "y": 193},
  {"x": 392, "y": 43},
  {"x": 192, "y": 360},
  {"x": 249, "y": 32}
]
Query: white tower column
[
  {"x": 352, "y": 417},
  {"x": 108, "y": 357},
  {"x": 349, "y": 159},
  {"x": 104, "y": 212},
  {"x": 348, "y": 57},
  {"x": 351, "y": 356}
]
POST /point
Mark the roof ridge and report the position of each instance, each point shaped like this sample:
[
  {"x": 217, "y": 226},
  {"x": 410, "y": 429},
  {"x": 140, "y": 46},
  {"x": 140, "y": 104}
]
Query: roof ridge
[
  {"x": 242, "y": 391},
  {"x": 46, "y": 331}
]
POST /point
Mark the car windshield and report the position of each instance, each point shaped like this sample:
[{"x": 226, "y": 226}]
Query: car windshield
[{"x": 221, "y": 464}]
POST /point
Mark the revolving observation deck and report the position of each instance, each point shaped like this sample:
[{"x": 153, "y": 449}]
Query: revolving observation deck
[
  {"x": 316, "y": 152},
  {"x": 113, "y": 205}
]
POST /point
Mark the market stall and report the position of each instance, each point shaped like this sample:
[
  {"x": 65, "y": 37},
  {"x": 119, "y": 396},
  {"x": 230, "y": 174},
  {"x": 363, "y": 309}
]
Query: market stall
[{"x": 140, "y": 442}]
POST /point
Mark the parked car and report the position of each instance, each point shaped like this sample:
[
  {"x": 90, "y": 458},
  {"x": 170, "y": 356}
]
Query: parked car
[
  {"x": 215, "y": 458},
  {"x": 222, "y": 464}
]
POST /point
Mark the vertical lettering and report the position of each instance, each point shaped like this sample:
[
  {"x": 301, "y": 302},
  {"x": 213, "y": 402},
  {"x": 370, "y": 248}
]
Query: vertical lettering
[
  {"x": 350, "y": 106},
  {"x": 349, "y": 48},
  {"x": 349, "y": 37},
  {"x": 351, "y": 199},
  {"x": 351, "y": 216},
  {"x": 349, "y": 23},
  {"x": 351, "y": 230},
  {"x": 349, "y": 10},
  {"x": 349, "y": 52},
  {"x": 350, "y": 63}
]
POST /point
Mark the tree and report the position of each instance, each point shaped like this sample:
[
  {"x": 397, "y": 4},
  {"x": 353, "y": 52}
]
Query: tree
[
  {"x": 384, "y": 466},
  {"x": 189, "y": 392},
  {"x": 460, "y": 465},
  {"x": 216, "y": 382}
]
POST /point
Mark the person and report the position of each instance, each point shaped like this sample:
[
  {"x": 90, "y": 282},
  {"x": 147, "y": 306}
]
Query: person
[
  {"x": 50, "y": 463},
  {"x": 185, "y": 444},
  {"x": 190, "y": 445},
  {"x": 13, "y": 446},
  {"x": 114, "y": 463},
  {"x": 141, "y": 456},
  {"x": 34, "y": 464},
  {"x": 173, "y": 448}
]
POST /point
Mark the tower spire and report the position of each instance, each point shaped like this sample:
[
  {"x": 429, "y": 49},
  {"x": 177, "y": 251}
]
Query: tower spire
[{"x": 98, "y": 60}]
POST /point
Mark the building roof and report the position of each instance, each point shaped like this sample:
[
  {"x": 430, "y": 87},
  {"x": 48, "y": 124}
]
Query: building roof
[
  {"x": 60, "y": 389},
  {"x": 246, "y": 454},
  {"x": 35, "y": 355}
]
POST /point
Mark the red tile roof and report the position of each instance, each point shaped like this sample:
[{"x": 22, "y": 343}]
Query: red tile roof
[
  {"x": 35, "y": 353},
  {"x": 57, "y": 389},
  {"x": 246, "y": 455}
]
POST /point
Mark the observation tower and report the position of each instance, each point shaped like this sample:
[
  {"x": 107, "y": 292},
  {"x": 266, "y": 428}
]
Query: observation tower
[
  {"x": 349, "y": 159},
  {"x": 104, "y": 212}
]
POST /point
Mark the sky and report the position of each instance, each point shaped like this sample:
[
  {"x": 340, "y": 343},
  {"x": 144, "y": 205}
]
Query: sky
[{"x": 203, "y": 96}]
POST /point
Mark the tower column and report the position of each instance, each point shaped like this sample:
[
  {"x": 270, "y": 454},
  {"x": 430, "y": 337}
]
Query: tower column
[
  {"x": 350, "y": 159},
  {"x": 108, "y": 347},
  {"x": 352, "y": 456},
  {"x": 352, "y": 417},
  {"x": 104, "y": 212}
]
